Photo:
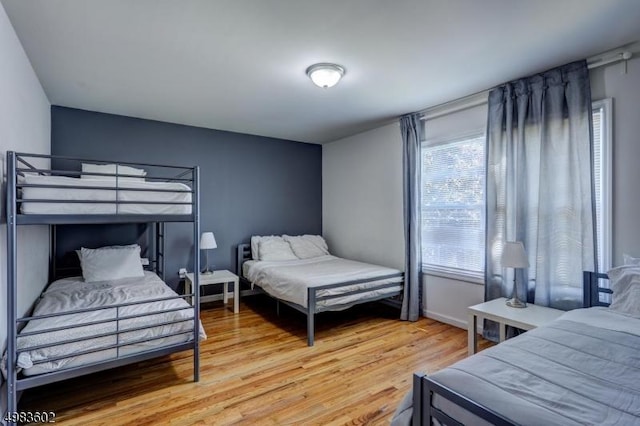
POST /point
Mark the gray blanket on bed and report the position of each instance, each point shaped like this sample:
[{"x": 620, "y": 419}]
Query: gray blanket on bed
[{"x": 566, "y": 373}]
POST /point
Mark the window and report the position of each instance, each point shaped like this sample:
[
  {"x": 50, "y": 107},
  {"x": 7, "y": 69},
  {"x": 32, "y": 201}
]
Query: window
[
  {"x": 453, "y": 205},
  {"x": 602, "y": 179},
  {"x": 453, "y": 210}
]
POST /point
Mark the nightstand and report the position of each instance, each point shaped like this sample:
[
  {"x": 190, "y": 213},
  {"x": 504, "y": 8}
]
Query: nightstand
[
  {"x": 496, "y": 310},
  {"x": 217, "y": 277}
]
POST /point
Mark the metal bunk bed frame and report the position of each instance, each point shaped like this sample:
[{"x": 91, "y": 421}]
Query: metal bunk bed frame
[{"x": 17, "y": 166}]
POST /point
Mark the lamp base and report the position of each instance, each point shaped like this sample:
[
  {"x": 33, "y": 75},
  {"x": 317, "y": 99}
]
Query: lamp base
[
  {"x": 516, "y": 303},
  {"x": 207, "y": 271}
]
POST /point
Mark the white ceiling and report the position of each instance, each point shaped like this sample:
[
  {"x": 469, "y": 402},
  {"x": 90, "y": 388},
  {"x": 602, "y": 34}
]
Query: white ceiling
[{"x": 239, "y": 65}]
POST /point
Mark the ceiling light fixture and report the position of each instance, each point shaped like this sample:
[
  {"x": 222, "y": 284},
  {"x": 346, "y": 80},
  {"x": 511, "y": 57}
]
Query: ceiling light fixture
[{"x": 325, "y": 75}]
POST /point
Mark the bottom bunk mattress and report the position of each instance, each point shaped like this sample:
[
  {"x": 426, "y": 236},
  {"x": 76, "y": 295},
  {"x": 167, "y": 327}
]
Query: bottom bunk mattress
[
  {"x": 290, "y": 280},
  {"x": 583, "y": 368},
  {"x": 168, "y": 321}
]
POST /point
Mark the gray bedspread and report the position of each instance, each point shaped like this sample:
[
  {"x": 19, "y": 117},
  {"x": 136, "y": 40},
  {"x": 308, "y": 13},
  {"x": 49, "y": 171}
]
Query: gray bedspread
[{"x": 582, "y": 369}]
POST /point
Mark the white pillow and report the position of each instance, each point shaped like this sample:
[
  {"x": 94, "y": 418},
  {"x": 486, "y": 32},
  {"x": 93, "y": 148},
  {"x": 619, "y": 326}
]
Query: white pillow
[
  {"x": 625, "y": 283},
  {"x": 275, "y": 249},
  {"x": 307, "y": 246},
  {"x": 255, "y": 242},
  {"x": 628, "y": 260},
  {"x": 110, "y": 263},
  {"x": 111, "y": 169},
  {"x": 128, "y": 246}
]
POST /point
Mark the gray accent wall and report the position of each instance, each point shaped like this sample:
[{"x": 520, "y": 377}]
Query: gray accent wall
[{"x": 250, "y": 185}]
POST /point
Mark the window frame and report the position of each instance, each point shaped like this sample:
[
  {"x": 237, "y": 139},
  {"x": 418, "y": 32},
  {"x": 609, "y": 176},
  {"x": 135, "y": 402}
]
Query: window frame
[
  {"x": 606, "y": 184},
  {"x": 444, "y": 271}
]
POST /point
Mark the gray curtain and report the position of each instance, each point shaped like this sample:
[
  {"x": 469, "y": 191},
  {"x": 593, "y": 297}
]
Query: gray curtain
[
  {"x": 411, "y": 128},
  {"x": 540, "y": 187}
]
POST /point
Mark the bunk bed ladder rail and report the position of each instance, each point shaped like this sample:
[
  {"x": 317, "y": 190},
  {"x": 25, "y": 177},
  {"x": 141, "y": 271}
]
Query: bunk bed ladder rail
[
  {"x": 12, "y": 265},
  {"x": 196, "y": 276},
  {"x": 160, "y": 250}
]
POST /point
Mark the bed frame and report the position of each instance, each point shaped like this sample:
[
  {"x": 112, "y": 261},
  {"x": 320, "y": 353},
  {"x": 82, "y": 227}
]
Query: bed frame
[
  {"x": 425, "y": 389},
  {"x": 20, "y": 163},
  {"x": 244, "y": 254}
]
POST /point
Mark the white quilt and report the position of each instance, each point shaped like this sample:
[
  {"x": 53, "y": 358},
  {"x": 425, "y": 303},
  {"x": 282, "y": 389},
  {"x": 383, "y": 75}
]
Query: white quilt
[
  {"x": 289, "y": 280},
  {"x": 73, "y": 293},
  {"x": 87, "y": 195}
]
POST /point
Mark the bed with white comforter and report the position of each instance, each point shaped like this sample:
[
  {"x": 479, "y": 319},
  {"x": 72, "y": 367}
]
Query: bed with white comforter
[
  {"x": 73, "y": 293},
  {"x": 139, "y": 190},
  {"x": 290, "y": 280}
]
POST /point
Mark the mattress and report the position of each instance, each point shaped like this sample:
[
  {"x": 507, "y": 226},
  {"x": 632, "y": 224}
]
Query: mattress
[
  {"x": 60, "y": 195},
  {"x": 583, "y": 368},
  {"x": 290, "y": 279},
  {"x": 73, "y": 293}
]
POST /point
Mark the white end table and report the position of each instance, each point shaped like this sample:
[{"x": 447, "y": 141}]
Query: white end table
[
  {"x": 217, "y": 277},
  {"x": 496, "y": 310}
]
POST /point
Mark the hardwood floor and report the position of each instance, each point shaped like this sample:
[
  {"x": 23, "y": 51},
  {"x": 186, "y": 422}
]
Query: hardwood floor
[{"x": 256, "y": 369}]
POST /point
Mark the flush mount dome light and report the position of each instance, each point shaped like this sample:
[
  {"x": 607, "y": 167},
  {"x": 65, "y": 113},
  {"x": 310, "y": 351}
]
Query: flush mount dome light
[{"x": 325, "y": 75}]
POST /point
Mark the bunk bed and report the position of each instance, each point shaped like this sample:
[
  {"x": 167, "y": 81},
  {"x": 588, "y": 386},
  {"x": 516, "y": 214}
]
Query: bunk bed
[
  {"x": 147, "y": 320},
  {"x": 579, "y": 369},
  {"x": 312, "y": 286}
]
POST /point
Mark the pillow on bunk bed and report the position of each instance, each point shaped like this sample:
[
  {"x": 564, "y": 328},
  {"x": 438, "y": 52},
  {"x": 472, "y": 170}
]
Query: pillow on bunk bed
[
  {"x": 275, "y": 249},
  {"x": 128, "y": 246},
  {"x": 111, "y": 263},
  {"x": 625, "y": 283},
  {"x": 111, "y": 169},
  {"x": 307, "y": 246}
]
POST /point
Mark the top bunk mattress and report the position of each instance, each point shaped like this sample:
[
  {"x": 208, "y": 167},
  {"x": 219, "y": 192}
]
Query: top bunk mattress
[
  {"x": 119, "y": 200},
  {"x": 583, "y": 368},
  {"x": 290, "y": 279}
]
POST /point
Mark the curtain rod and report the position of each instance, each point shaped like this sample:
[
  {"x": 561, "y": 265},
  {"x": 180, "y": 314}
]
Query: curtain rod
[
  {"x": 466, "y": 102},
  {"x": 610, "y": 57}
]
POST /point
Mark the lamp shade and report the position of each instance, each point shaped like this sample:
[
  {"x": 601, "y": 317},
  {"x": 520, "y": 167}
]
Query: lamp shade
[
  {"x": 514, "y": 256},
  {"x": 208, "y": 241},
  {"x": 325, "y": 75}
]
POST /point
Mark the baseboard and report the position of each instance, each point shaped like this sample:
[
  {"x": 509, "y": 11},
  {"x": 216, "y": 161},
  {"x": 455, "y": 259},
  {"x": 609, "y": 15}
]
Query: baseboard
[
  {"x": 445, "y": 319},
  {"x": 450, "y": 320}
]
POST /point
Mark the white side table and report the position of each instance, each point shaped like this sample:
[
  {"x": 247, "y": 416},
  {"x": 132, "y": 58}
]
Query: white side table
[
  {"x": 496, "y": 310},
  {"x": 217, "y": 277}
]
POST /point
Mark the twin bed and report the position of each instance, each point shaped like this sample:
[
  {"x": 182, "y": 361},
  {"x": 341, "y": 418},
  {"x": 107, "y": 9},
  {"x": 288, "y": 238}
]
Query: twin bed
[
  {"x": 116, "y": 313},
  {"x": 581, "y": 369}
]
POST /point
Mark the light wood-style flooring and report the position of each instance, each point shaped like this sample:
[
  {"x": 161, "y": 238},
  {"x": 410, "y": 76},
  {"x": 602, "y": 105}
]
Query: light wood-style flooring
[{"x": 256, "y": 369}]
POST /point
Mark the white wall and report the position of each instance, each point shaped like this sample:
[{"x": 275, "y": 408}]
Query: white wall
[
  {"x": 25, "y": 126},
  {"x": 362, "y": 196},
  {"x": 362, "y": 208},
  {"x": 447, "y": 299},
  {"x": 611, "y": 82}
]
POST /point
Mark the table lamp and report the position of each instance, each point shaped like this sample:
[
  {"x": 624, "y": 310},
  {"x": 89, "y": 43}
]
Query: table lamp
[
  {"x": 207, "y": 242},
  {"x": 514, "y": 256}
]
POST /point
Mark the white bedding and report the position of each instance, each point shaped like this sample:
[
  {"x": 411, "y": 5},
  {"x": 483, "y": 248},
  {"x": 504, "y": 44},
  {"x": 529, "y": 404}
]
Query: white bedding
[
  {"x": 73, "y": 293},
  {"x": 88, "y": 195},
  {"x": 289, "y": 280}
]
